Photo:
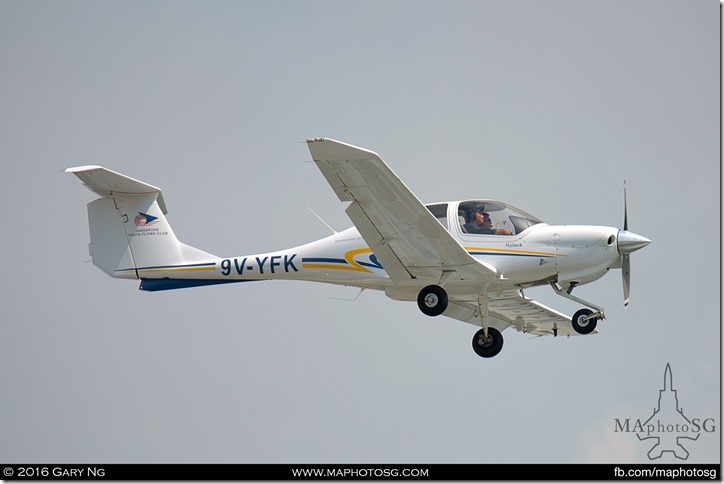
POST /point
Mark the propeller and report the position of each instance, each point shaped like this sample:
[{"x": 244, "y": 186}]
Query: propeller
[
  {"x": 628, "y": 242},
  {"x": 626, "y": 258}
]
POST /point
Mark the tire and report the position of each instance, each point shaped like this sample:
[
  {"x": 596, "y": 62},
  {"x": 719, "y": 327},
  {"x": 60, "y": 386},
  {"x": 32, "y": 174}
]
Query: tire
[
  {"x": 489, "y": 348},
  {"x": 581, "y": 326},
  {"x": 432, "y": 300}
]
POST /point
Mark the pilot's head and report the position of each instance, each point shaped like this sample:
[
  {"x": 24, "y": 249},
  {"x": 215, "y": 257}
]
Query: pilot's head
[
  {"x": 473, "y": 213},
  {"x": 487, "y": 223},
  {"x": 481, "y": 218}
]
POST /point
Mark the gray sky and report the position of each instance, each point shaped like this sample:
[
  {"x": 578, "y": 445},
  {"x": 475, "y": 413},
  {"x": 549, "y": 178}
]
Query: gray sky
[{"x": 548, "y": 105}]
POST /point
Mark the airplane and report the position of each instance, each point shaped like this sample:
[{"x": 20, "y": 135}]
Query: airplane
[{"x": 469, "y": 260}]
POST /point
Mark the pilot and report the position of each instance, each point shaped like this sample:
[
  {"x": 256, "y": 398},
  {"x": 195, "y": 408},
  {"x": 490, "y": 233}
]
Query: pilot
[{"x": 479, "y": 223}]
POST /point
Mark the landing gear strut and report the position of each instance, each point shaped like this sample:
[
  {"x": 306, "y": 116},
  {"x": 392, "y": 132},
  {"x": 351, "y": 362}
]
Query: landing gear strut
[
  {"x": 585, "y": 320},
  {"x": 432, "y": 300}
]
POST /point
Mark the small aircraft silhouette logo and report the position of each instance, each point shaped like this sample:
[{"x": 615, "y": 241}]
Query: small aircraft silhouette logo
[
  {"x": 668, "y": 425},
  {"x": 144, "y": 219}
]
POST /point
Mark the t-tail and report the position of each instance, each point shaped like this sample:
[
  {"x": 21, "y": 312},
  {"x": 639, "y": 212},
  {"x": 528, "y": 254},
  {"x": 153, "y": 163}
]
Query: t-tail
[{"x": 131, "y": 238}]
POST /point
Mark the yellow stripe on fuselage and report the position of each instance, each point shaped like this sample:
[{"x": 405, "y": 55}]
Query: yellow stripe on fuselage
[
  {"x": 332, "y": 266},
  {"x": 178, "y": 269},
  {"x": 348, "y": 257},
  {"x": 511, "y": 251}
]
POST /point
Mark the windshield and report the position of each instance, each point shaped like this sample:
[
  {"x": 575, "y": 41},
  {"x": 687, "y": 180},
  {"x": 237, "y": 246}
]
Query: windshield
[{"x": 488, "y": 217}]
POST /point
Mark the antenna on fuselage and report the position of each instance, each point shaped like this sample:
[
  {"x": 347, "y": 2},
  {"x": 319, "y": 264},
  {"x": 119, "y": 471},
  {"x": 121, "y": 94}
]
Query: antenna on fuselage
[
  {"x": 321, "y": 220},
  {"x": 361, "y": 290}
]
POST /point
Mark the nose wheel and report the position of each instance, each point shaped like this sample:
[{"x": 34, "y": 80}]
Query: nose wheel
[
  {"x": 432, "y": 300},
  {"x": 584, "y": 321}
]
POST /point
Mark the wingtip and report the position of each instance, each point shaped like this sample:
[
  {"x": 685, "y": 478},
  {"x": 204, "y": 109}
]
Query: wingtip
[
  {"x": 78, "y": 169},
  {"x": 315, "y": 140}
]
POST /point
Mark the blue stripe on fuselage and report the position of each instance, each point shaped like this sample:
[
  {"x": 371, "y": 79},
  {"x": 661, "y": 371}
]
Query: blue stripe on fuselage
[{"x": 168, "y": 284}]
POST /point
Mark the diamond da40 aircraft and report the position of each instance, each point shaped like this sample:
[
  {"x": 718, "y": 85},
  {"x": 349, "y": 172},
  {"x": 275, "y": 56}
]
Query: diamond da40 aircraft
[{"x": 469, "y": 260}]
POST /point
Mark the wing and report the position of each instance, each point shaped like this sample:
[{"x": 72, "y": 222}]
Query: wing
[
  {"x": 510, "y": 308},
  {"x": 405, "y": 237}
]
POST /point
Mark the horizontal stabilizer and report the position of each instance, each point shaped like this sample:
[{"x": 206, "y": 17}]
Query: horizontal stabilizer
[{"x": 108, "y": 183}]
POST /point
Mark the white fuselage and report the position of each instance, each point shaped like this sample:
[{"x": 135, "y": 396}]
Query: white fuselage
[{"x": 538, "y": 255}]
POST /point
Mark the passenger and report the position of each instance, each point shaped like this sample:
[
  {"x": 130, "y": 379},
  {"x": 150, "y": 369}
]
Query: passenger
[{"x": 479, "y": 223}]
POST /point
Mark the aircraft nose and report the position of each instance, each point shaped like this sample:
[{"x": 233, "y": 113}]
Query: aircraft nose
[{"x": 630, "y": 242}]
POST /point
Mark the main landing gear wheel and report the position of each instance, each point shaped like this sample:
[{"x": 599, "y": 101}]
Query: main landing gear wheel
[
  {"x": 582, "y": 325},
  {"x": 490, "y": 346},
  {"x": 432, "y": 300}
]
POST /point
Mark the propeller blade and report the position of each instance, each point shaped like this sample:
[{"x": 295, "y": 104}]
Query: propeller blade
[
  {"x": 625, "y": 209},
  {"x": 626, "y": 277}
]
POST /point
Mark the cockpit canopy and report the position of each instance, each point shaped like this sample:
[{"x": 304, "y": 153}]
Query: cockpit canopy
[{"x": 503, "y": 219}]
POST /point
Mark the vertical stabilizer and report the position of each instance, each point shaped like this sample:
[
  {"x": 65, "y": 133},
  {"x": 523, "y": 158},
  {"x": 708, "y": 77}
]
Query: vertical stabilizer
[{"x": 128, "y": 227}]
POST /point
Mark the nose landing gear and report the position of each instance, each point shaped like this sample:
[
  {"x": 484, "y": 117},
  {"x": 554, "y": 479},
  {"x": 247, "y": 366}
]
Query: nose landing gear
[{"x": 584, "y": 321}]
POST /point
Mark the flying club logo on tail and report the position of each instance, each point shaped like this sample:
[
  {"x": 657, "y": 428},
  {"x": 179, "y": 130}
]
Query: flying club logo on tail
[{"x": 144, "y": 220}]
